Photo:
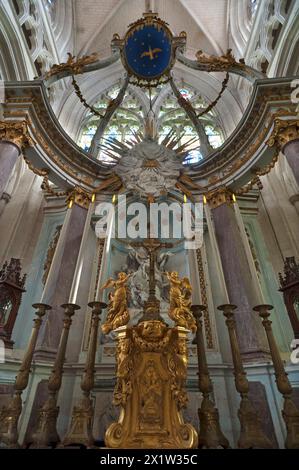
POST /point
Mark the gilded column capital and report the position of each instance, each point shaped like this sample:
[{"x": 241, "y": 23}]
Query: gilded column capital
[
  {"x": 79, "y": 196},
  {"x": 17, "y": 133},
  {"x": 284, "y": 131},
  {"x": 219, "y": 197}
]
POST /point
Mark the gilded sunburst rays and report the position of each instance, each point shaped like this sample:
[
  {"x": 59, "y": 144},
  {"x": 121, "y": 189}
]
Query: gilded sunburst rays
[{"x": 115, "y": 149}]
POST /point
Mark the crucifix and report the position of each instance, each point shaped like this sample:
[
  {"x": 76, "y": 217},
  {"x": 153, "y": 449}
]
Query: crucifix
[{"x": 151, "y": 308}]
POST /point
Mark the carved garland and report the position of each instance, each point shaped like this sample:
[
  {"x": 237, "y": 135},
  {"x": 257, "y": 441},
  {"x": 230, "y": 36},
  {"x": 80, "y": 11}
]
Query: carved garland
[
  {"x": 40, "y": 172},
  {"x": 78, "y": 92},
  {"x": 256, "y": 180},
  {"x": 99, "y": 264},
  {"x": 46, "y": 187},
  {"x": 213, "y": 104}
]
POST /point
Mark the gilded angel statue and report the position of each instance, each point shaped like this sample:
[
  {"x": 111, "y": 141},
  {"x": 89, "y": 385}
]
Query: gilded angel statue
[
  {"x": 118, "y": 314},
  {"x": 180, "y": 301}
]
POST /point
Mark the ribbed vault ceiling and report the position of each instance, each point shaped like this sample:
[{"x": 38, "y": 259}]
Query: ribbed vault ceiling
[
  {"x": 205, "y": 22},
  {"x": 208, "y": 27}
]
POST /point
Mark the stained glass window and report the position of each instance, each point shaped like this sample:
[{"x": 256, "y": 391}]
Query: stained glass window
[{"x": 130, "y": 118}]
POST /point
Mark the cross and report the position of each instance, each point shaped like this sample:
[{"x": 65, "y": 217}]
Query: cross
[{"x": 152, "y": 245}]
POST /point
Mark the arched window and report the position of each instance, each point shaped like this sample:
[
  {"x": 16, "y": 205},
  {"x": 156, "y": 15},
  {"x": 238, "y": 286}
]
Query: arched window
[
  {"x": 172, "y": 116},
  {"x": 130, "y": 116}
]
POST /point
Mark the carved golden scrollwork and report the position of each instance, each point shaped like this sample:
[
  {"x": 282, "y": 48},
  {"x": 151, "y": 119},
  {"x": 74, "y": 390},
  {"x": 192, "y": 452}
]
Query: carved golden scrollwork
[
  {"x": 16, "y": 132},
  {"x": 221, "y": 63},
  {"x": 150, "y": 389},
  {"x": 73, "y": 65},
  {"x": 79, "y": 196},
  {"x": 219, "y": 197},
  {"x": 284, "y": 131}
]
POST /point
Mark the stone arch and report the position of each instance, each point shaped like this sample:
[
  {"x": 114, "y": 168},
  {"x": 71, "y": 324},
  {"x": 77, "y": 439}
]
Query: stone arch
[{"x": 12, "y": 60}]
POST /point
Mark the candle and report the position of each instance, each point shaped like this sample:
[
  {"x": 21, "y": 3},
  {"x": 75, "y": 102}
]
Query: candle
[
  {"x": 216, "y": 253},
  {"x": 56, "y": 261},
  {"x": 80, "y": 260}
]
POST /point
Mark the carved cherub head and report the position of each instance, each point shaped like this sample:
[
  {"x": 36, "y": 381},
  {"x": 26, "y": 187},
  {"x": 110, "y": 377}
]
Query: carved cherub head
[{"x": 153, "y": 330}]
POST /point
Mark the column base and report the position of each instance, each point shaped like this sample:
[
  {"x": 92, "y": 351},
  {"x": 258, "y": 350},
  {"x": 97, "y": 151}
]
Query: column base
[
  {"x": 210, "y": 434},
  {"x": 80, "y": 432},
  {"x": 256, "y": 355},
  {"x": 46, "y": 435},
  {"x": 9, "y": 418},
  {"x": 290, "y": 414},
  {"x": 45, "y": 354},
  {"x": 251, "y": 435}
]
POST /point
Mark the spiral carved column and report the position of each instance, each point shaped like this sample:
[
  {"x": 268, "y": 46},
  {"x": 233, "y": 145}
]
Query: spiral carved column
[
  {"x": 210, "y": 434},
  {"x": 46, "y": 434},
  {"x": 251, "y": 434},
  {"x": 10, "y": 414},
  {"x": 81, "y": 424},
  {"x": 290, "y": 412}
]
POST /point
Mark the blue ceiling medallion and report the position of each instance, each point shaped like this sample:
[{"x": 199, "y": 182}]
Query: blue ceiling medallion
[{"x": 148, "y": 52}]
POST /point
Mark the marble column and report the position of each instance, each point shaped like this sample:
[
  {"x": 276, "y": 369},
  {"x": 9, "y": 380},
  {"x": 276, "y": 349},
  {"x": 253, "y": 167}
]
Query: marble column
[
  {"x": 240, "y": 285},
  {"x": 9, "y": 153},
  {"x": 291, "y": 152},
  {"x": 4, "y": 200},
  {"x": 285, "y": 138},
  {"x": 104, "y": 250},
  {"x": 294, "y": 200},
  {"x": 14, "y": 138},
  {"x": 61, "y": 275},
  {"x": 78, "y": 273}
]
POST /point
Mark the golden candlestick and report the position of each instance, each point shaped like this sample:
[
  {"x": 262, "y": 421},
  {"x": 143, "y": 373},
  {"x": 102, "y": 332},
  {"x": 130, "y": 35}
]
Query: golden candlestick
[
  {"x": 46, "y": 433},
  {"x": 251, "y": 434},
  {"x": 82, "y": 418},
  {"x": 10, "y": 414},
  {"x": 290, "y": 412},
  {"x": 210, "y": 434}
]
